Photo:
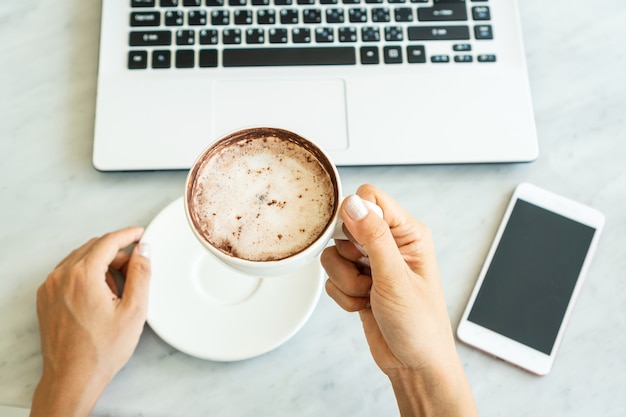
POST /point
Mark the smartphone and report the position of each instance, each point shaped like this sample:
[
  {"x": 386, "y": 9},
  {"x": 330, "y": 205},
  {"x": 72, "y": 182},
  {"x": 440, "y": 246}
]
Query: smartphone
[{"x": 531, "y": 277}]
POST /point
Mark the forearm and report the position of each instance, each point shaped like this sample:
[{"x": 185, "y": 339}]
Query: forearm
[{"x": 442, "y": 392}]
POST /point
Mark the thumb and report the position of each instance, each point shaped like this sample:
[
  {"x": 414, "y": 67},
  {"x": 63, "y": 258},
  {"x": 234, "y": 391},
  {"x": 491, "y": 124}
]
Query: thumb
[
  {"x": 138, "y": 278},
  {"x": 374, "y": 235}
]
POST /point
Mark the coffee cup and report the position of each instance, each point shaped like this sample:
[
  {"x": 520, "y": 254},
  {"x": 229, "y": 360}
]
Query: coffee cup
[{"x": 264, "y": 201}]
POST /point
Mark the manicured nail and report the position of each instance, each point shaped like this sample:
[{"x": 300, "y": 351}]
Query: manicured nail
[
  {"x": 143, "y": 249},
  {"x": 364, "y": 261},
  {"x": 355, "y": 207}
]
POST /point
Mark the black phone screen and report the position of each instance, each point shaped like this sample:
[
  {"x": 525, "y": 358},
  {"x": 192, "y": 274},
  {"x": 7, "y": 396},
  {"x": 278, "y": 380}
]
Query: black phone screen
[{"x": 527, "y": 288}]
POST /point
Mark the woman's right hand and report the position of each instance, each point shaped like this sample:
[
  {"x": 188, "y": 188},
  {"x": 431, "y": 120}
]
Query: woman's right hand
[{"x": 400, "y": 301}]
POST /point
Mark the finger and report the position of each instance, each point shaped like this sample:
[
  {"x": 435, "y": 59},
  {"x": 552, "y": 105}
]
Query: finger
[
  {"x": 138, "y": 279},
  {"x": 345, "y": 301},
  {"x": 374, "y": 235},
  {"x": 348, "y": 250},
  {"x": 345, "y": 275},
  {"x": 105, "y": 249},
  {"x": 110, "y": 280},
  {"x": 412, "y": 237},
  {"x": 120, "y": 260}
]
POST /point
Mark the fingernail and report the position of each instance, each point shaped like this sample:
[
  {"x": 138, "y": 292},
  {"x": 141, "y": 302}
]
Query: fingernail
[
  {"x": 143, "y": 249},
  {"x": 355, "y": 207}
]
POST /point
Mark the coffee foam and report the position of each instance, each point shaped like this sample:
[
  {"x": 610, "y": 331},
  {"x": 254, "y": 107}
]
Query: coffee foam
[{"x": 262, "y": 199}]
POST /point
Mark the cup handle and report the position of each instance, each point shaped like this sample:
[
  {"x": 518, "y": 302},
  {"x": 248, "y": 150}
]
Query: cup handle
[{"x": 339, "y": 234}]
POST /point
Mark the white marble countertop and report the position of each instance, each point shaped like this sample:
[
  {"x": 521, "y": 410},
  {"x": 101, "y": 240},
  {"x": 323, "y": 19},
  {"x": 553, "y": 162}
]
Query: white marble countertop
[{"x": 52, "y": 200}]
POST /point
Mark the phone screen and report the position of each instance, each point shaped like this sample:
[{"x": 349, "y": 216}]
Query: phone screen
[{"x": 528, "y": 285}]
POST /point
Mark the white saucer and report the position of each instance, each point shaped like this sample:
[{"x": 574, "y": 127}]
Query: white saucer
[{"x": 207, "y": 310}]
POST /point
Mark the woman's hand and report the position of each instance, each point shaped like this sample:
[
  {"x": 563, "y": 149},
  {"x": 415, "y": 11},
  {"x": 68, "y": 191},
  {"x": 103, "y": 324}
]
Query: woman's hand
[
  {"x": 398, "y": 294},
  {"x": 88, "y": 328}
]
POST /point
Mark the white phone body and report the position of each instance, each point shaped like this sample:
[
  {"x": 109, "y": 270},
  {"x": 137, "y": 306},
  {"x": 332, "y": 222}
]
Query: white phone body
[{"x": 531, "y": 277}]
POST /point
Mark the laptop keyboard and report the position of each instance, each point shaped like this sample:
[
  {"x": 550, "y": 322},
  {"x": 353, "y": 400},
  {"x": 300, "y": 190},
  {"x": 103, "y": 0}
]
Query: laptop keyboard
[{"x": 242, "y": 33}]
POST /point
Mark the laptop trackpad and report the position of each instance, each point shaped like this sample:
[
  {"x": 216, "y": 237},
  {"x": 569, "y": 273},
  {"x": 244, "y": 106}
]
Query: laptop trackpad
[{"x": 315, "y": 109}]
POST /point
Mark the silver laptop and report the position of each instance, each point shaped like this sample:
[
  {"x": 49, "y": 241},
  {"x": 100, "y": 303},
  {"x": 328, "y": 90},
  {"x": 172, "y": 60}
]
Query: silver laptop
[{"x": 374, "y": 82}]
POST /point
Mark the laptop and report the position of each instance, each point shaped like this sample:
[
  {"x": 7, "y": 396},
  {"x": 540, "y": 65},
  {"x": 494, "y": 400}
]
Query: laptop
[{"x": 373, "y": 82}]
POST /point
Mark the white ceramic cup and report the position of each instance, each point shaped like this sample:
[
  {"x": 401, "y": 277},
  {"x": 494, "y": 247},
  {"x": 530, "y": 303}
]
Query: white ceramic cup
[{"x": 270, "y": 268}]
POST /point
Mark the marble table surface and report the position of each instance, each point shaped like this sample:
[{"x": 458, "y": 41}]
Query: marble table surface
[{"x": 52, "y": 200}]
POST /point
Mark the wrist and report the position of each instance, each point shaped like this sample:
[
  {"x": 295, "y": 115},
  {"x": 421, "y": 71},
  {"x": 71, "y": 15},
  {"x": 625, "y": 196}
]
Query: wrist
[
  {"x": 66, "y": 394},
  {"x": 433, "y": 391}
]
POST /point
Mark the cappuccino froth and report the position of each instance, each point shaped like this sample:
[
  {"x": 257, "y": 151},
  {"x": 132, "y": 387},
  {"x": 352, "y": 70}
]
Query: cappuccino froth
[{"x": 261, "y": 198}]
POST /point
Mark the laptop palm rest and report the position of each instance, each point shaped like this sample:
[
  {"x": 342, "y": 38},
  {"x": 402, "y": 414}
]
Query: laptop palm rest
[{"x": 315, "y": 109}]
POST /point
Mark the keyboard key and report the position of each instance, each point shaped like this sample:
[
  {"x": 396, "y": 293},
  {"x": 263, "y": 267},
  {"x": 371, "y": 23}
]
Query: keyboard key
[
  {"x": 301, "y": 35},
  {"x": 415, "y": 54},
  {"x": 278, "y": 35},
  {"x": 329, "y": 1},
  {"x": 306, "y": 2},
  {"x": 137, "y": 60},
  {"x": 403, "y": 14},
  {"x": 266, "y": 17},
  {"x": 142, "y": 3},
  {"x": 392, "y": 55},
  {"x": 185, "y": 58},
  {"x": 231, "y": 36},
  {"x": 439, "y": 59},
  {"x": 207, "y": 58},
  {"x": 486, "y": 58},
  {"x": 151, "y": 38},
  {"x": 174, "y": 18},
  {"x": 246, "y": 57},
  {"x": 443, "y": 12},
  {"x": 357, "y": 15},
  {"x": 260, "y": 2},
  {"x": 463, "y": 58},
  {"x": 145, "y": 19},
  {"x": 373, "y": 1},
  {"x": 393, "y": 33},
  {"x": 168, "y": 3},
  {"x": 214, "y": 3},
  {"x": 481, "y": 13},
  {"x": 289, "y": 16},
  {"x": 255, "y": 36},
  {"x": 430, "y": 33},
  {"x": 351, "y": 1},
  {"x": 335, "y": 15},
  {"x": 220, "y": 17},
  {"x": 324, "y": 35},
  {"x": 283, "y": 2},
  {"x": 347, "y": 34},
  {"x": 462, "y": 47},
  {"x": 208, "y": 37},
  {"x": 483, "y": 32},
  {"x": 370, "y": 34},
  {"x": 191, "y": 3},
  {"x": 237, "y": 2},
  {"x": 243, "y": 17},
  {"x": 419, "y": 1},
  {"x": 369, "y": 55},
  {"x": 196, "y": 18},
  {"x": 161, "y": 59},
  {"x": 380, "y": 14},
  {"x": 185, "y": 37},
  {"x": 312, "y": 16}
]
